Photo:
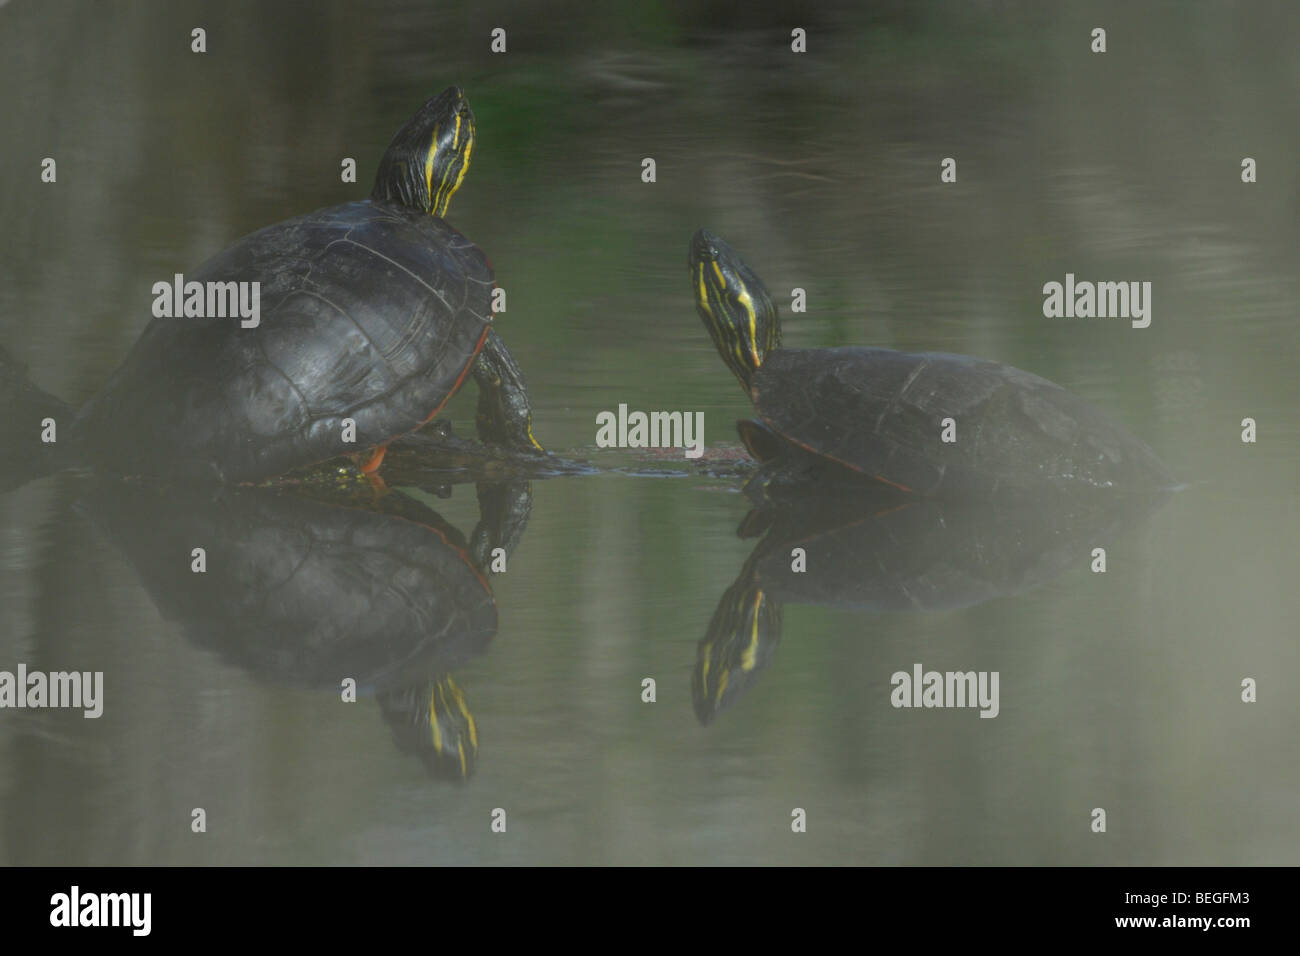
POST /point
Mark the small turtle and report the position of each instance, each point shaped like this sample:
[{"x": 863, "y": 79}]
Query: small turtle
[{"x": 877, "y": 413}]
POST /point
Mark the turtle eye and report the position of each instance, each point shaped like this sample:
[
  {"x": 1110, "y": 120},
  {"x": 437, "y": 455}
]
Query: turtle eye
[{"x": 713, "y": 252}]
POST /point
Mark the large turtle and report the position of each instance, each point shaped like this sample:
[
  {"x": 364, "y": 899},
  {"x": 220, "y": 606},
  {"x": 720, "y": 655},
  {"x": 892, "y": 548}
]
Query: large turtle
[
  {"x": 882, "y": 414},
  {"x": 373, "y": 313}
]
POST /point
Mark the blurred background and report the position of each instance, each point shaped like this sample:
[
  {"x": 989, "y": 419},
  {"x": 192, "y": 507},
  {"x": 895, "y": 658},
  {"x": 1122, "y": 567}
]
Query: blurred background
[{"x": 1119, "y": 690}]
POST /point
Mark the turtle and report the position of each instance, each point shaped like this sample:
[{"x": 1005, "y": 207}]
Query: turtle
[
  {"x": 927, "y": 423},
  {"x": 372, "y": 315}
]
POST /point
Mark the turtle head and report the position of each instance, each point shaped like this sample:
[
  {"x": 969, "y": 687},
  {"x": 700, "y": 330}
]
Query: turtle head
[
  {"x": 738, "y": 646},
  {"x": 432, "y": 720},
  {"x": 427, "y": 159},
  {"x": 734, "y": 305}
]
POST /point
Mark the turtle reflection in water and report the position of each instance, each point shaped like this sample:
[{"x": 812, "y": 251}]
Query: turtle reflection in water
[
  {"x": 887, "y": 552},
  {"x": 304, "y": 592}
]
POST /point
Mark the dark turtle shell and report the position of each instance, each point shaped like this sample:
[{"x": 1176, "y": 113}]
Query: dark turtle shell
[
  {"x": 369, "y": 311},
  {"x": 880, "y": 412}
]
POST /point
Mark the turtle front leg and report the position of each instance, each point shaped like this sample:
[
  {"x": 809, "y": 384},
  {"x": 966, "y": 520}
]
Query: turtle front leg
[{"x": 504, "y": 414}]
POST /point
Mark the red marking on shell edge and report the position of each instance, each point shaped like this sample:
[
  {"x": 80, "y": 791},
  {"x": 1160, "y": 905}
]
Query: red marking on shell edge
[
  {"x": 461, "y": 553},
  {"x": 478, "y": 347},
  {"x": 377, "y": 459},
  {"x": 838, "y": 461}
]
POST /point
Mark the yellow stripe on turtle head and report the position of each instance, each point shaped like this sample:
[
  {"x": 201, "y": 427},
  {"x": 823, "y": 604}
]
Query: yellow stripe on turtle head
[
  {"x": 433, "y": 720},
  {"x": 464, "y": 166},
  {"x": 750, "y": 653},
  {"x": 459, "y": 698},
  {"x": 428, "y": 166},
  {"x": 447, "y": 189},
  {"x": 747, "y": 303},
  {"x": 443, "y": 194}
]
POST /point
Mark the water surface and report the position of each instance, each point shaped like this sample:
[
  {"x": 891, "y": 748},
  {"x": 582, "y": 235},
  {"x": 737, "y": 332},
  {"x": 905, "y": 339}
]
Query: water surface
[{"x": 1118, "y": 690}]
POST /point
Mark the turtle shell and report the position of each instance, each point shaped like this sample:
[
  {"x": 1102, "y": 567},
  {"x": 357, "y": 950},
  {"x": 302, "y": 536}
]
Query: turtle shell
[
  {"x": 368, "y": 311},
  {"x": 880, "y": 413}
]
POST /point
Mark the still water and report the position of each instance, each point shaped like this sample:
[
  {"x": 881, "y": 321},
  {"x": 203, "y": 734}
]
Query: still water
[{"x": 1118, "y": 690}]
